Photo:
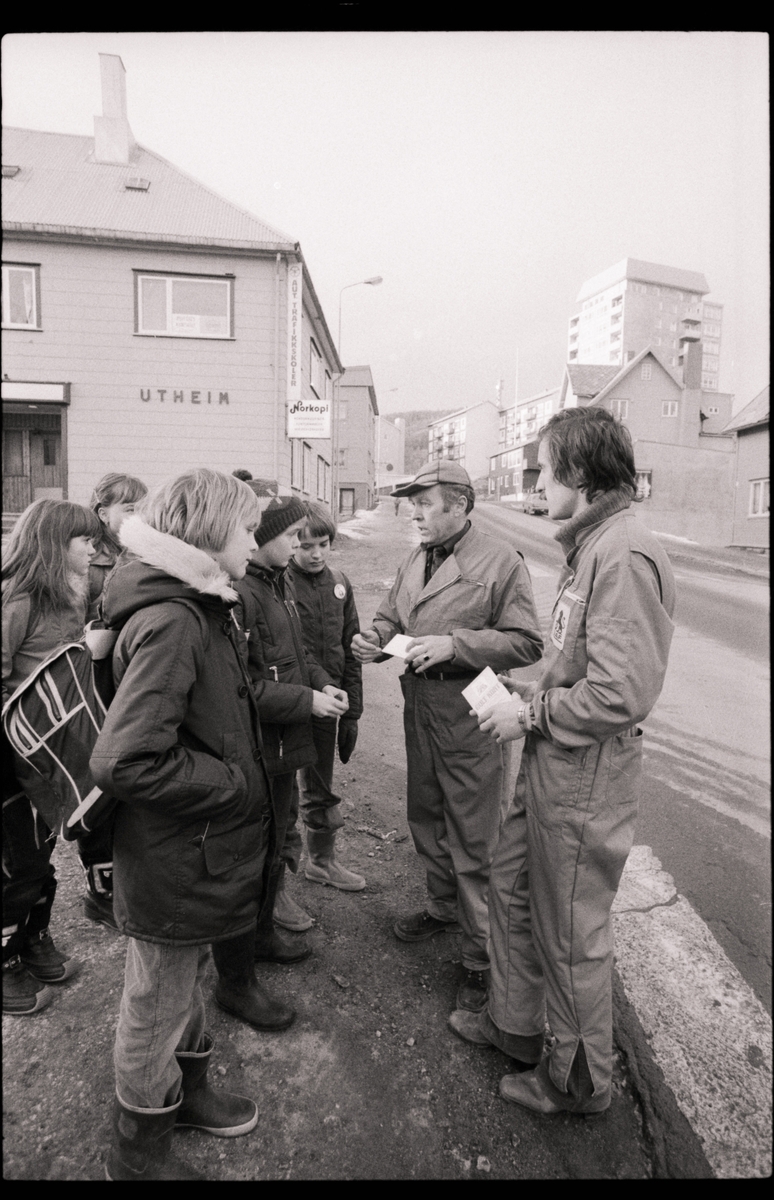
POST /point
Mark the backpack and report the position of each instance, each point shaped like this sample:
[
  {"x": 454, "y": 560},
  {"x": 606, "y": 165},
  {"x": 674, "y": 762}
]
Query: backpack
[{"x": 52, "y": 722}]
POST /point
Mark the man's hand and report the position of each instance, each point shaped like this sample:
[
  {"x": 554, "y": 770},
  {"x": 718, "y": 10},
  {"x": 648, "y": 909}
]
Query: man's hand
[
  {"x": 517, "y": 688},
  {"x": 330, "y": 702},
  {"x": 428, "y": 651},
  {"x": 365, "y": 646},
  {"x": 347, "y": 738},
  {"x": 501, "y": 721}
]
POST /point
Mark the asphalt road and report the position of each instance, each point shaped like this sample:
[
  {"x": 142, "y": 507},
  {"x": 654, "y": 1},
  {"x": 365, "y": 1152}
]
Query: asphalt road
[{"x": 705, "y": 809}]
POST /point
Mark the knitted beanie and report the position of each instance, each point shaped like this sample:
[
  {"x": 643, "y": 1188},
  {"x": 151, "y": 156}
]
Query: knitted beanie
[{"x": 280, "y": 512}]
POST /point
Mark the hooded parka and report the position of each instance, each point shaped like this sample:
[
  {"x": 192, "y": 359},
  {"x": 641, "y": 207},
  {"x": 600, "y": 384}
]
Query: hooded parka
[{"x": 181, "y": 748}]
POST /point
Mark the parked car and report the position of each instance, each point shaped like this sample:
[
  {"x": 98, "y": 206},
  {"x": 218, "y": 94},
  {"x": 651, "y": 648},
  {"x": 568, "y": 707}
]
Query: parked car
[{"x": 535, "y": 504}]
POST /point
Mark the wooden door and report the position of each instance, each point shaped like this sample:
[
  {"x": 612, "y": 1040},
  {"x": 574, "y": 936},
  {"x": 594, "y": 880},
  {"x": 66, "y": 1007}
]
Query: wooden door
[
  {"x": 17, "y": 492},
  {"x": 46, "y": 463}
]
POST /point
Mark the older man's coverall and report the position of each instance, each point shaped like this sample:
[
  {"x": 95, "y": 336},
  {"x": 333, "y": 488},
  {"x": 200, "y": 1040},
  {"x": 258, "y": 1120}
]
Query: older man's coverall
[
  {"x": 481, "y": 595},
  {"x": 566, "y": 837}
]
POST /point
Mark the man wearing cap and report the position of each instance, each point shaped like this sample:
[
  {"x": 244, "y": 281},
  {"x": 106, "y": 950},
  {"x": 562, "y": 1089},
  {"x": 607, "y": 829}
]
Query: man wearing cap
[{"x": 465, "y": 599}]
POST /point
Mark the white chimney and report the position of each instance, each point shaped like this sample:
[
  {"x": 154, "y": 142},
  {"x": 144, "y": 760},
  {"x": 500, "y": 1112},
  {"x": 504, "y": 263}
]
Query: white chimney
[{"x": 113, "y": 139}]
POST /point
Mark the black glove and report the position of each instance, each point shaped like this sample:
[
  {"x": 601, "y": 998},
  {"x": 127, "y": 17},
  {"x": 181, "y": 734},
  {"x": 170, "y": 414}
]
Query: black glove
[{"x": 347, "y": 739}]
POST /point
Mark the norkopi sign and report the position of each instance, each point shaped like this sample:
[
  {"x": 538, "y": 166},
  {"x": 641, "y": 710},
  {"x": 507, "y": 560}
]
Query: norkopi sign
[{"x": 309, "y": 418}]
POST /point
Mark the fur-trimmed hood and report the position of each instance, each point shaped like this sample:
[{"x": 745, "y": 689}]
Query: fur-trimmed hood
[{"x": 161, "y": 567}]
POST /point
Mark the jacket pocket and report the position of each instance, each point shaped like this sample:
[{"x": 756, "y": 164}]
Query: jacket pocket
[
  {"x": 225, "y": 851},
  {"x": 284, "y": 670}
]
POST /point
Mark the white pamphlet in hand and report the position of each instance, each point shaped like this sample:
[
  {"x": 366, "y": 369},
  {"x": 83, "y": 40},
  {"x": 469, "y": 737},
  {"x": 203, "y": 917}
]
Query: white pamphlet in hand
[
  {"x": 485, "y": 690},
  {"x": 397, "y": 645}
]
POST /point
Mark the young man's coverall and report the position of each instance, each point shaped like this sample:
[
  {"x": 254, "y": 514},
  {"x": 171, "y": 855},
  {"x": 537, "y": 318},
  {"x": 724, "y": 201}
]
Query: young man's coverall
[{"x": 567, "y": 835}]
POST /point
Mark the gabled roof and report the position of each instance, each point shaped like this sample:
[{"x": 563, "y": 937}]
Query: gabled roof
[
  {"x": 591, "y": 383},
  {"x": 357, "y": 377},
  {"x": 586, "y": 379},
  {"x": 754, "y": 413},
  {"x": 361, "y": 377},
  {"x": 60, "y": 188},
  {"x": 623, "y": 371},
  {"x": 644, "y": 272}
]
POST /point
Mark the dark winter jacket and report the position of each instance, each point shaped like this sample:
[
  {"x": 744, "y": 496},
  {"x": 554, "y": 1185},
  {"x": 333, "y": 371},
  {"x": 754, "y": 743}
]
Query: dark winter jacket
[
  {"x": 99, "y": 569},
  {"x": 283, "y": 673},
  {"x": 181, "y": 749},
  {"x": 329, "y": 621}
]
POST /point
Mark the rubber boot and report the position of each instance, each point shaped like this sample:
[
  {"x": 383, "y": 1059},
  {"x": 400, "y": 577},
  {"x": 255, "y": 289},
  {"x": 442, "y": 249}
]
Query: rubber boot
[
  {"x": 98, "y": 900},
  {"x": 270, "y": 945},
  {"x": 23, "y": 994},
  {"x": 43, "y": 961},
  {"x": 222, "y": 1113},
  {"x": 288, "y": 914},
  {"x": 238, "y": 991},
  {"x": 141, "y": 1141},
  {"x": 323, "y": 867}
]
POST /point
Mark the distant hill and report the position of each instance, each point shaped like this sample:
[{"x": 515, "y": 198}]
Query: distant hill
[{"x": 416, "y": 434}]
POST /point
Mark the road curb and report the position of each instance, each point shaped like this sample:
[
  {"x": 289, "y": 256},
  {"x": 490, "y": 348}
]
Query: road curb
[{"x": 675, "y": 1149}]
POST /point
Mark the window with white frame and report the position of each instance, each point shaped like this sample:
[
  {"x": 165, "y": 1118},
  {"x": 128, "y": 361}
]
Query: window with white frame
[
  {"x": 21, "y": 296},
  {"x": 646, "y": 370},
  {"x": 669, "y": 408},
  {"x": 759, "y": 498},
  {"x": 619, "y": 409},
  {"x": 644, "y": 480},
  {"x": 185, "y": 306},
  {"x": 316, "y": 369}
]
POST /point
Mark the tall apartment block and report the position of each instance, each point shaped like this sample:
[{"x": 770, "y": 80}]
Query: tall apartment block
[{"x": 637, "y": 304}]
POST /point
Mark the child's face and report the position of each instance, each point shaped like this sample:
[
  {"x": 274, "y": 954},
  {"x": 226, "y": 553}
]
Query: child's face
[
  {"x": 235, "y": 555},
  {"x": 277, "y": 552},
  {"x": 114, "y": 515},
  {"x": 312, "y": 552}
]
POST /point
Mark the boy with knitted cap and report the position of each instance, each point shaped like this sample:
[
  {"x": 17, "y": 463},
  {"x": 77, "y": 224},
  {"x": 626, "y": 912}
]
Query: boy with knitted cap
[{"x": 290, "y": 688}]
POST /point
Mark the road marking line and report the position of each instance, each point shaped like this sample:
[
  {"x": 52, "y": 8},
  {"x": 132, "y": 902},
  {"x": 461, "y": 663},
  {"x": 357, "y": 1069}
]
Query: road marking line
[{"x": 709, "y": 1033}]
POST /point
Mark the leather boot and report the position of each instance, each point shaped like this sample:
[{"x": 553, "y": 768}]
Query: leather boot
[
  {"x": 288, "y": 914},
  {"x": 323, "y": 867},
  {"x": 141, "y": 1141},
  {"x": 222, "y": 1113},
  {"x": 238, "y": 991},
  {"x": 270, "y": 945}
]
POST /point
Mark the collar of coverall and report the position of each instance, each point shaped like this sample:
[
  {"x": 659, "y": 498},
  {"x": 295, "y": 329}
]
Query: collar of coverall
[{"x": 599, "y": 510}]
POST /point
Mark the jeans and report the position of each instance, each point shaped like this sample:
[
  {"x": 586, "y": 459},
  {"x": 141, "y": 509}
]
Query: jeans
[
  {"x": 320, "y": 806},
  {"x": 162, "y": 1012}
]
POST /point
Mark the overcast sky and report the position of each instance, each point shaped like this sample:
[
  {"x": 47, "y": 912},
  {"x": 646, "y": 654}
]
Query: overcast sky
[{"x": 485, "y": 176}]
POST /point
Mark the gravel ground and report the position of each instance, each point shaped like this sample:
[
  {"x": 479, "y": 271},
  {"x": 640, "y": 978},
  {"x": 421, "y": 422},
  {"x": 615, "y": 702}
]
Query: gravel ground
[{"x": 368, "y": 1083}]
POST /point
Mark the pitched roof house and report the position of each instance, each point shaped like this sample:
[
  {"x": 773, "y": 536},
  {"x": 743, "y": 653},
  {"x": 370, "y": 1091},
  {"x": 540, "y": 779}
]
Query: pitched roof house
[{"x": 149, "y": 324}]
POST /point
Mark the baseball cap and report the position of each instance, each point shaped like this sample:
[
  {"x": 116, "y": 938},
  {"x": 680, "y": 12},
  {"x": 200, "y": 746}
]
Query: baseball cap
[{"x": 441, "y": 470}]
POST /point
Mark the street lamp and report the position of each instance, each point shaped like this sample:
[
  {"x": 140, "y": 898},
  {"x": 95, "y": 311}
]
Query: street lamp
[{"x": 372, "y": 282}]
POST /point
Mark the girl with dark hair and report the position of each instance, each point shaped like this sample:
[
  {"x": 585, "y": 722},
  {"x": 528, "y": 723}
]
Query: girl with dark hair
[
  {"x": 45, "y": 592},
  {"x": 113, "y": 500}
]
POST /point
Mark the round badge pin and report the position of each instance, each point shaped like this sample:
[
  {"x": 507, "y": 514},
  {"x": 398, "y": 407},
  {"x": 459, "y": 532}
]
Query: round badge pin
[{"x": 339, "y": 591}]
